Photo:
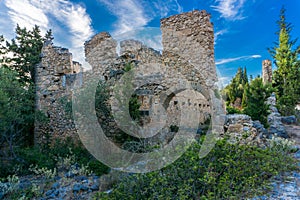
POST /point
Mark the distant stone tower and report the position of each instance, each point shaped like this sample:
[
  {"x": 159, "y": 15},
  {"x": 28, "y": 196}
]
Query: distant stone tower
[{"x": 267, "y": 71}]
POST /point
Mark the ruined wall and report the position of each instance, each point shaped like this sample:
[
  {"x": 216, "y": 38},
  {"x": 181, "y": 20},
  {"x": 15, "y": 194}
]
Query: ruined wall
[
  {"x": 267, "y": 71},
  {"x": 191, "y": 36},
  {"x": 55, "y": 76},
  {"x": 188, "y": 56}
]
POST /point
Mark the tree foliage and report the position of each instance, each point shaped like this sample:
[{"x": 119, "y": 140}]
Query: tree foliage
[
  {"x": 234, "y": 91},
  {"x": 134, "y": 106},
  {"x": 15, "y": 111},
  {"x": 24, "y": 52},
  {"x": 287, "y": 75},
  {"x": 256, "y": 95},
  {"x": 247, "y": 97},
  {"x": 18, "y": 59}
]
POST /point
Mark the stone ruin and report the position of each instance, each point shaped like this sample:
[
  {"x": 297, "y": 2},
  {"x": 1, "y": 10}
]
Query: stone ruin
[
  {"x": 267, "y": 71},
  {"x": 188, "y": 53},
  {"x": 54, "y": 79}
]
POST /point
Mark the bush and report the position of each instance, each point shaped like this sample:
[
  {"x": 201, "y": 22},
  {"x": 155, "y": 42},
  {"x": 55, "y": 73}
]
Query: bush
[
  {"x": 232, "y": 110},
  {"x": 61, "y": 155},
  {"x": 98, "y": 168},
  {"x": 229, "y": 171},
  {"x": 25, "y": 158}
]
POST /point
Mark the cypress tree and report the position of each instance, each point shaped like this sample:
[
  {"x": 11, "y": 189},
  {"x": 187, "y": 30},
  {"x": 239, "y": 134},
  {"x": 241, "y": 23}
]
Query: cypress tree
[{"x": 286, "y": 76}]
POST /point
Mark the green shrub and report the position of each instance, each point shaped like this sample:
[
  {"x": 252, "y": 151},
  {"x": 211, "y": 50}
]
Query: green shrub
[
  {"x": 77, "y": 153},
  {"x": 134, "y": 106},
  {"x": 98, "y": 168},
  {"x": 229, "y": 171},
  {"x": 232, "y": 110},
  {"x": 61, "y": 155}
]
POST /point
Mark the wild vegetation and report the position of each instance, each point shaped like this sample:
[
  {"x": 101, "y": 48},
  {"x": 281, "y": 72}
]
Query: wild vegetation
[
  {"x": 248, "y": 97},
  {"x": 229, "y": 171},
  {"x": 243, "y": 96},
  {"x": 17, "y": 110},
  {"x": 287, "y": 75}
]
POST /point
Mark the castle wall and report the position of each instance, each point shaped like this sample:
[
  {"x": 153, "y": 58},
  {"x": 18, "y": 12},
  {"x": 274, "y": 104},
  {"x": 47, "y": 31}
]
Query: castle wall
[
  {"x": 190, "y": 35},
  {"x": 55, "y": 76},
  {"x": 188, "y": 57}
]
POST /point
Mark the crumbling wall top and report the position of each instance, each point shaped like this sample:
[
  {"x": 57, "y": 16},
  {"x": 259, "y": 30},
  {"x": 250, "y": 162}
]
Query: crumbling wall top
[
  {"x": 95, "y": 40},
  {"x": 188, "y": 20}
]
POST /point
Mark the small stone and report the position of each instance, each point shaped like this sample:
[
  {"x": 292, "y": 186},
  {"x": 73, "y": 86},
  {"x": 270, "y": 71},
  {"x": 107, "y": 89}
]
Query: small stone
[
  {"x": 95, "y": 177},
  {"x": 62, "y": 192},
  {"x": 49, "y": 192},
  {"x": 76, "y": 187},
  {"x": 84, "y": 187},
  {"x": 85, "y": 181},
  {"x": 289, "y": 119},
  {"x": 80, "y": 178},
  {"x": 56, "y": 193},
  {"x": 55, "y": 185},
  {"x": 246, "y": 129},
  {"x": 25, "y": 184},
  {"x": 94, "y": 187},
  {"x": 53, "y": 88},
  {"x": 235, "y": 128}
]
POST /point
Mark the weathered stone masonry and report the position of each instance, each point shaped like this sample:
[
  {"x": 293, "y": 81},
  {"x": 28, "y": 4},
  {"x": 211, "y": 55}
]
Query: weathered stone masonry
[
  {"x": 267, "y": 71},
  {"x": 54, "y": 80},
  {"x": 188, "y": 53}
]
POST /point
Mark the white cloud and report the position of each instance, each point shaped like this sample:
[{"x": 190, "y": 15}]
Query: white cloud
[
  {"x": 150, "y": 36},
  {"x": 130, "y": 14},
  {"x": 26, "y": 15},
  {"x": 223, "y": 81},
  {"x": 164, "y": 7},
  {"x": 219, "y": 33},
  {"x": 256, "y": 56},
  {"x": 228, "y": 60},
  {"x": 135, "y": 14},
  {"x": 180, "y": 9},
  {"x": 62, "y": 16},
  {"x": 230, "y": 9}
]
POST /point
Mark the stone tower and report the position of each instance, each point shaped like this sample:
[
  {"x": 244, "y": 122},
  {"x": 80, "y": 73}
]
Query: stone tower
[
  {"x": 267, "y": 71},
  {"x": 191, "y": 35},
  {"x": 55, "y": 76}
]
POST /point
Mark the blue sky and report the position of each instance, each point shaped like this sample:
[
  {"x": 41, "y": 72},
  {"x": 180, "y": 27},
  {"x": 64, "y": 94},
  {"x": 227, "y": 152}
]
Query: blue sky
[{"x": 244, "y": 29}]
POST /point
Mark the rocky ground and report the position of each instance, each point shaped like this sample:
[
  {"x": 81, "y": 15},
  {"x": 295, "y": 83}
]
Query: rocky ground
[
  {"x": 288, "y": 186},
  {"x": 67, "y": 185},
  {"x": 73, "y": 184}
]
